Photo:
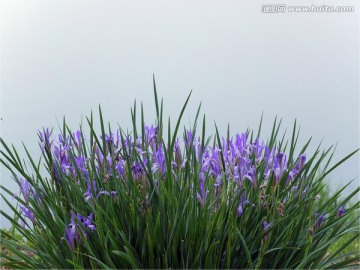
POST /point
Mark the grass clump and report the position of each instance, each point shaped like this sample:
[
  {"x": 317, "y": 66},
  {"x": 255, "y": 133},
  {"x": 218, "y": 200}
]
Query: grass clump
[{"x": 154, "y": 199}]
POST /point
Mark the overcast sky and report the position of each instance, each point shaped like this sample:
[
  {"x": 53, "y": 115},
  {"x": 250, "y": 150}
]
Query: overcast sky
[{"x": 64, "y": 58}]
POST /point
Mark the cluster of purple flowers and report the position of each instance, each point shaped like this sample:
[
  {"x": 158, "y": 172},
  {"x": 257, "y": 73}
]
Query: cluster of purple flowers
[
  {"x": 235, "y": 160},
  {"x": 28, "y": 192},
  {"x": 72, "y": 232},
  {"x": 241, "y": 159},
  {"x": 319, "y": 217}
]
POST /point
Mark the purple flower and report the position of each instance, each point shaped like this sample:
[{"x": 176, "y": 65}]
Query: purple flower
[
  {"x": 138, "y": 171},
  {"x": 299, "y": 165},
  {"x": 267, "y": 172},
  {"x": 45, "y": 142},
  {"x": 341, "y": 211},
  {"x": 77, "y": 140},
  {"x": 27, "y": 213},
  {"x": 25, "y": 189},
  {"x": 267, "y": 155},
  {"x": 203, "y": 194},
  {"x": 80, "y": 163},
  {"x": 110, "y": 141},
  {"x": 150, "y": 135},
  {"x": 266, "y": 225},
  {"x": 294, "y": 188},
  {"x": 120, "y": 167},
  {"x": 99, "y": 156},
  {"x": 160, "y": 163},
  {"x": 188, "y": 138},
  {"x": 56, "y": 170},
  {"x": 109, "y": 138},
  {"x": 266, "y": 228},
  {"x": 319, "y": 219},
  {"x": 70, "y": 234},
  {"x": 128, "y": 143},
  {"x": 301, "y": 162},
  {"x": 86, "y": 221},
  {"x": 292, "y": 174},
  {"x": 241, "y": 205},
  {"x": 279, "y": 166},
  {"x": 257, "y": 150},
  {"x": 88, "y": 194},
  {"x": 37, "y": 198},
  {"x": 61, "y": 154},
  {"x": 251, "y": 175},
  {"x": 240, "y": 144},
  {"x": 64, "y": 142},
  {"x": 178, "y": 156}
]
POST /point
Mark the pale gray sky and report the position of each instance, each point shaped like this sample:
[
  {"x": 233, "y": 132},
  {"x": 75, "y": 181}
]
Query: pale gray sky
[{"x": 65, "y": 57}]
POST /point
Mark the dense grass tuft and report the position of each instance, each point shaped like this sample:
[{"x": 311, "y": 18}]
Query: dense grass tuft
[{"x": 156, "y": 199}]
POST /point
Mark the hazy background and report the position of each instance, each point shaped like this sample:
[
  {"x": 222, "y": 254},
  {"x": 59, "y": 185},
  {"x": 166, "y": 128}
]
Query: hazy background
[{"x": 64, "y": 58}]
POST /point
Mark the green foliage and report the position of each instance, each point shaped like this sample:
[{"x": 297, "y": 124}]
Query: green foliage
[
  {"x": 157, "y": 221},
  {"x": 353, "y": 246}
]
